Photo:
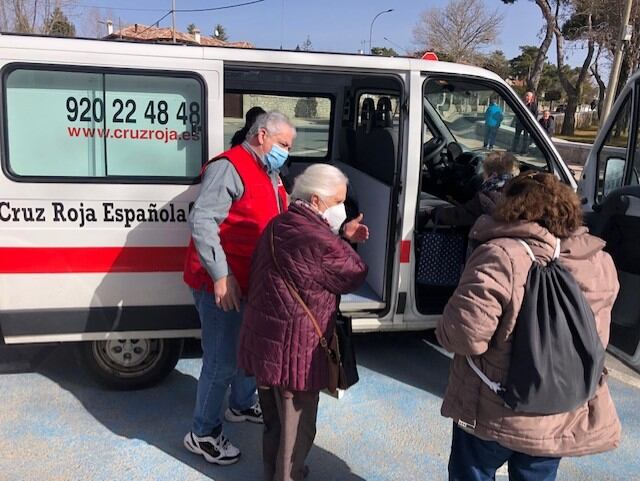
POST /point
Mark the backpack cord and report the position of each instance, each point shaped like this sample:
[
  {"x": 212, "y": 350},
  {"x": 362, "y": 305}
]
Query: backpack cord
[
  {"x": 556, "y": 250},
  {"x": 496, "y": 387}
]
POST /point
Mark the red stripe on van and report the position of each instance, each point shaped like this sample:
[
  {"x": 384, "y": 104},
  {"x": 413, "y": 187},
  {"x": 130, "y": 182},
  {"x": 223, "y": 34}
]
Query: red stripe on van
[
  {"x": 56, "y": 260},
  {"x": 405, "y": 252}
]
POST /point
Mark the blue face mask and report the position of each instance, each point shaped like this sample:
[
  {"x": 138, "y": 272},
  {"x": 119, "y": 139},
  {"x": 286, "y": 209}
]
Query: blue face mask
[{"x": 276, "y": 157}]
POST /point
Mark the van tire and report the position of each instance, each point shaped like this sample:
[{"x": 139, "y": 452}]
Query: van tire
[{"x": 127, "y": 364}]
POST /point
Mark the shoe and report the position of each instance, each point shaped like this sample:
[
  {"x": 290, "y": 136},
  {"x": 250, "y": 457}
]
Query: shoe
[
  {"x": 215, "y": 450},
  {"x": 252, "y": 414}
]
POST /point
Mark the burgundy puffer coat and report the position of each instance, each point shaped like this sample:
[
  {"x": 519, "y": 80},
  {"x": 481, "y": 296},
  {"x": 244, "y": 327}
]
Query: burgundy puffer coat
[{"x": 278, "y": 343}]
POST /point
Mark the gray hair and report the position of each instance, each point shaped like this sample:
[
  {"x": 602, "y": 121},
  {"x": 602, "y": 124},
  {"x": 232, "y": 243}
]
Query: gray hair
[
  {"x": 272, "y": 122},
  {"x": 322, "y": 180}
]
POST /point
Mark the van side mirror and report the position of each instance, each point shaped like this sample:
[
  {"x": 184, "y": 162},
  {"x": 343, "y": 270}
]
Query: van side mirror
[{"x": 613, "y": 175}]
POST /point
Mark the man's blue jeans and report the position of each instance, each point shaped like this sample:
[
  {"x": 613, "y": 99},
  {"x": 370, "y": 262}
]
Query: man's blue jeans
[
  {"x": 220, "y": 334},
  {"x": 473, "y": 459}
]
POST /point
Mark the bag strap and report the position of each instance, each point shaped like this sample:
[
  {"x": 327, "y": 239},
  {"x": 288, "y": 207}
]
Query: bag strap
[
  {"x": 556, "y": 251},
  {"x": 296, "y": 296}
]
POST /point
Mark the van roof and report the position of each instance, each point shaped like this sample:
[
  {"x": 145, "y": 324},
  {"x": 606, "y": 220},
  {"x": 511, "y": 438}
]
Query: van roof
[{"x": 230, "y": 54}]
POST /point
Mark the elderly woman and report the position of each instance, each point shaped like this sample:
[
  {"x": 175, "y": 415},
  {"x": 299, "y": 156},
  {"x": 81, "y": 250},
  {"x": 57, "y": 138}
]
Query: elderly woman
[
  {"x": 480, "y": 318},
  {"x": 300, "y": 254}
]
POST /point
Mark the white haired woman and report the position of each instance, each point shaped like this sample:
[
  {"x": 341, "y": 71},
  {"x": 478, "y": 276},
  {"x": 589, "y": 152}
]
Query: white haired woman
[{"x": 300, "y": 269}]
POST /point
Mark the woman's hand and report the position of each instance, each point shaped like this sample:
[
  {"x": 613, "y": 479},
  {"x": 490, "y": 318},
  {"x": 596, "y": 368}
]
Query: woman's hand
[{"x": 355, "y": 231}]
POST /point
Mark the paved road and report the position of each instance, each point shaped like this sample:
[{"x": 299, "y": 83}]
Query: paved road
[{"x": 56, "y": 424}]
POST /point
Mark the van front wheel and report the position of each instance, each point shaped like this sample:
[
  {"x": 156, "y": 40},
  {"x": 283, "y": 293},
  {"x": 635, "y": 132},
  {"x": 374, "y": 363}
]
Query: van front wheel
[{"x": 130, "y": 363}]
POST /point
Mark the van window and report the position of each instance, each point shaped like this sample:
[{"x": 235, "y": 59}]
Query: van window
[
  {"x": 478, "y": 117},
  {"x": 311, "y": 116},
  {"x": 612, "y": 157},
  {"x": 101, "y": 125}
]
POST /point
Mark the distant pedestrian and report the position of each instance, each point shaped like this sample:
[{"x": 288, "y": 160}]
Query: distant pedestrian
[
  {"x": 492, "y": 119},
  {"x": 548, "y": 123},
  {"x": 520, "y": 129},
  {"x": 480, "y": 319},
  {"x": 250, "y": 117},
  {"x": 303, "y": 263}
]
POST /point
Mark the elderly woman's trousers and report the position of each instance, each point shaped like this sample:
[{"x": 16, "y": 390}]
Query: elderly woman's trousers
[{"x": 289, "y": 431}]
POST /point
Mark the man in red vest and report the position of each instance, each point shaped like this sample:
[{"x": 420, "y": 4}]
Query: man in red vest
[{"x": 241, "y": 192}]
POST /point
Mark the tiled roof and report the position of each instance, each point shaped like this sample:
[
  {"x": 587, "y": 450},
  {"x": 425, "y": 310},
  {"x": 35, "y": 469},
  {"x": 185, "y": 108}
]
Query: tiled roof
[{"x": 144, "y": 33}]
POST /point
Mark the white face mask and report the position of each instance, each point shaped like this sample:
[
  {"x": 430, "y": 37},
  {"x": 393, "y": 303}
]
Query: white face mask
[{"x": 335, "y": 216}]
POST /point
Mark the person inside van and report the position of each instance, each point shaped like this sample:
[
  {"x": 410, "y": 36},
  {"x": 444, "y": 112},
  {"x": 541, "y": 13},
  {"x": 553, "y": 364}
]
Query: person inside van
[
  {"x": 249, "y": 119},
  {"x": 479, "y": 321},
  {"x": 300, "y": 269},
  {"x": 497, "y": 169}
]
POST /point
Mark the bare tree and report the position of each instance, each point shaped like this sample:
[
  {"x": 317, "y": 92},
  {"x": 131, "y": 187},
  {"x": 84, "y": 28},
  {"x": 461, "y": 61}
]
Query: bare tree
[
  {"x": 460, "y": 30},
  {"x": 4, "y": 16},
  {"x": 94, "y": 22},
  {"x": 550, "y": 21},
  {"x": 579, "y": 28},
  {"x": 30, "y": 16},
  {"x": 602, "y": 88},
  {"x": 607, "y": 24}
]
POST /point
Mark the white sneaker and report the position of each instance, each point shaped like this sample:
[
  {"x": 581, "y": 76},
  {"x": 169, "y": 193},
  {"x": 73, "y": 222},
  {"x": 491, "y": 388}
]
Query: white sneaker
[
  {"x": 214, "y": 450},
  {"x": 252, "y": 414}
]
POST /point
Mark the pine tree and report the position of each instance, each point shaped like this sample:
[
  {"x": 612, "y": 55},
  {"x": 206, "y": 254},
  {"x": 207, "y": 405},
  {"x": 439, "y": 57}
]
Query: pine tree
[
  {"x": 306, "y": 45},
  {"x": 59, "y": 25},
  {"x": 220, "y": 33}
]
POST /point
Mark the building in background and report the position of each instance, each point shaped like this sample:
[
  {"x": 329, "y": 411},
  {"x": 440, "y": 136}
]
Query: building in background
[{"x": 145, "y": 33}]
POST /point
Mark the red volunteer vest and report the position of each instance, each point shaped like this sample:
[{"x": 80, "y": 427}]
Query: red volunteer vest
[{"x": 247, "y": 219}]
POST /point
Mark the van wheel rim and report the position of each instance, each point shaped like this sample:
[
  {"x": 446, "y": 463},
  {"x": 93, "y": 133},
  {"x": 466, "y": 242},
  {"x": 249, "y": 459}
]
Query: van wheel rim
[{"x": 128, "y": 357}]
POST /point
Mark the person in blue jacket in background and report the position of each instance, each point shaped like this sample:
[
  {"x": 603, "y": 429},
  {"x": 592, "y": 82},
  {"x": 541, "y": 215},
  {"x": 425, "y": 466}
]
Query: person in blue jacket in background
[{"x": 492, "y": 119}]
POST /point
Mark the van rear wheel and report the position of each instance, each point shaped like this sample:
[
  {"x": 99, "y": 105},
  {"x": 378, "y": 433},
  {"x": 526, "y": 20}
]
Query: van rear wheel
[{"x": 130, "y": 363}]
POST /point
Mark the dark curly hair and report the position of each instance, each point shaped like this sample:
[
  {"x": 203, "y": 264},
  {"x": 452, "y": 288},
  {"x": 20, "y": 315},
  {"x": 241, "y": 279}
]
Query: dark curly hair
[{"x": 541, "y": 198}]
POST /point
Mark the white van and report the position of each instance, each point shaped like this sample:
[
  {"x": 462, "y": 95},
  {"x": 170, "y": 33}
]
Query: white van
[
  {"x": 610, "y": 191},
  {"x": 102, "y": 143}
]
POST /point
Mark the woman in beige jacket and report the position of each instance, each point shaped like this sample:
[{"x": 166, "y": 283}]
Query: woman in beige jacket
[{"x": 479, "y": 321}]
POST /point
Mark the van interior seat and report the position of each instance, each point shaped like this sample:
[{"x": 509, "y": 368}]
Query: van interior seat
[
  {"x": 367, "y": 118},
  {"x": 376, "y": 140}
]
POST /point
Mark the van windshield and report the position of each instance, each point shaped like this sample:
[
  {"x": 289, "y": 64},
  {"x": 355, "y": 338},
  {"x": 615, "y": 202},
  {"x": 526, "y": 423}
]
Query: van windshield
[{"x": 478, "y": 118}]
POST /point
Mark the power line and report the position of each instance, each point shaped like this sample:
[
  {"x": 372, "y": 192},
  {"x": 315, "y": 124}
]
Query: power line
[
  {"x": 157, "y": 22},
  {"x": 190, "y": 10},
  {"x": 217, "y": 8},
  {"x": 108, "y": 7}
]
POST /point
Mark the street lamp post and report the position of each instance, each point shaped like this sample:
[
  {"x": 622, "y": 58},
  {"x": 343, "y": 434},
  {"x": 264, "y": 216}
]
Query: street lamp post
[{"x": 371, "y": 27}]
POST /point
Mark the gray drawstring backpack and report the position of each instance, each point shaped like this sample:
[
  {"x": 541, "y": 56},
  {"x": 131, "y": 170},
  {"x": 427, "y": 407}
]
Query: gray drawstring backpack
[{"x": 557, "y": 358}]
